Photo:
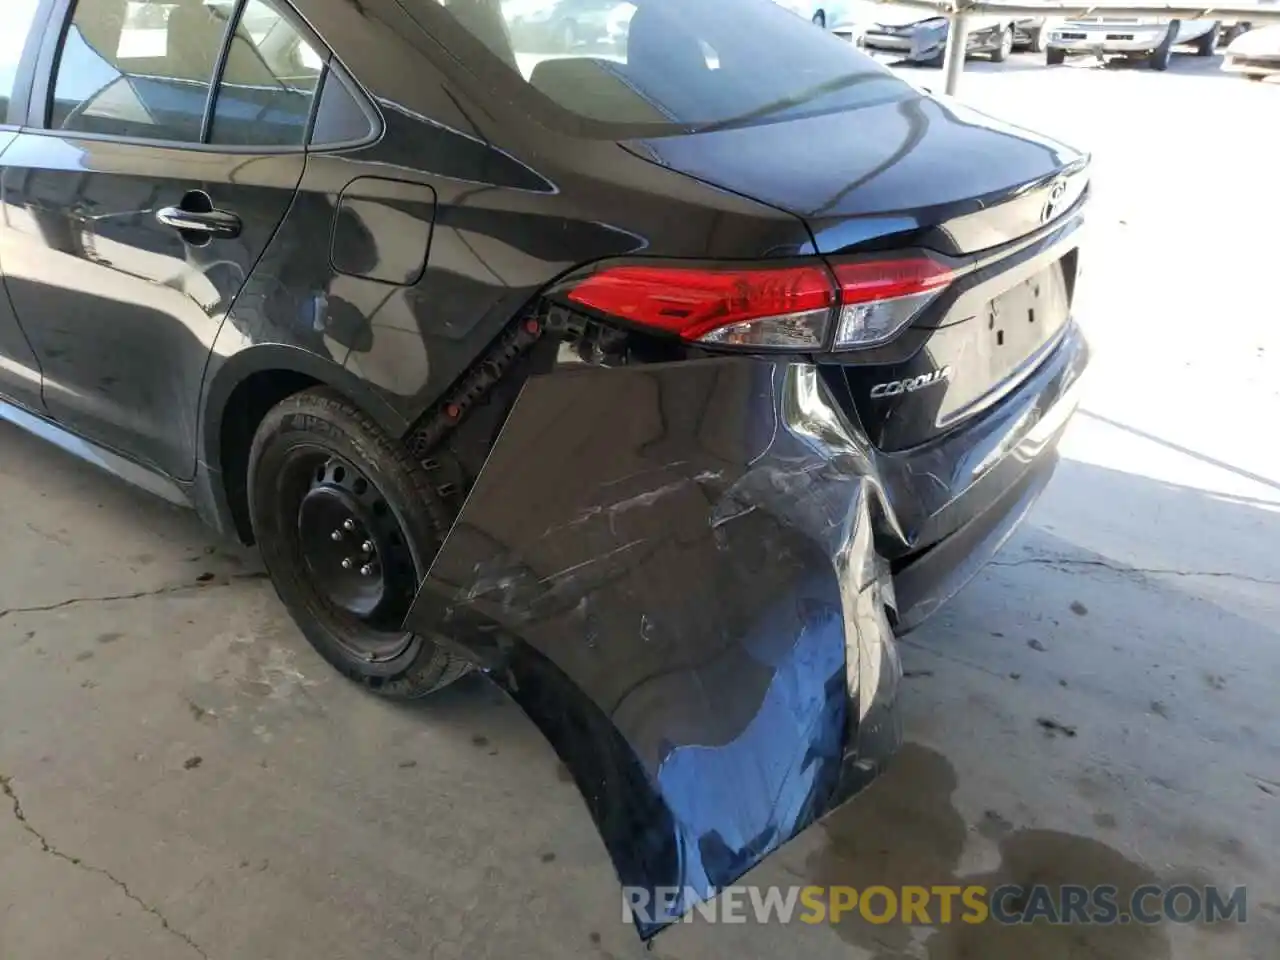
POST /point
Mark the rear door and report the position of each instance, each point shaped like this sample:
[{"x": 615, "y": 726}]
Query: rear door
[
  {"x": 19, "y": 371},
  {"x": 164, "y": 148}
]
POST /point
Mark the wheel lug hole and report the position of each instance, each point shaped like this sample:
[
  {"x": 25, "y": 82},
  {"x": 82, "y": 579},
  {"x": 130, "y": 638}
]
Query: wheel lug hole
[
  {"x": 336, "y": 535},
  {"x": 367, "y": 546},
  {"x": 348, "y": 525},
  {"x": 346, "y": 563},
  {"x": 366, "y": 570}
]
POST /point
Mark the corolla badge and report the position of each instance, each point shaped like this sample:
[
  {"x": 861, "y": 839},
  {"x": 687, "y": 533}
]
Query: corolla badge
[
  {"x": 911, "y": 384},
  {"x": 1053, "y": 206}
]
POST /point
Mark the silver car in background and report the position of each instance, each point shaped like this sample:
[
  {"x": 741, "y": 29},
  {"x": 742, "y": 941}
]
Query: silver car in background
[
  {"x": 1135, "y": 38},
  {"x": 1255, "y": 54},
  {"x": 914, "y": 35},
  {"x": 848, "y": 19}
]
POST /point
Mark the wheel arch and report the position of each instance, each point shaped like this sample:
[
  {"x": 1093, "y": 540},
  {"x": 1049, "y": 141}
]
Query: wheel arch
[{"x": 237, "y": 396}]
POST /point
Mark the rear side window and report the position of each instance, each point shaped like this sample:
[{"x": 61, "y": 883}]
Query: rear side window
[
  {"x": 267, "y": 90},
  {"x": 681, "y": 64},
  {"x": 137, "y": 68},
  {"x": 340, "y": 118},
  {"x": 18, "y": 18}
]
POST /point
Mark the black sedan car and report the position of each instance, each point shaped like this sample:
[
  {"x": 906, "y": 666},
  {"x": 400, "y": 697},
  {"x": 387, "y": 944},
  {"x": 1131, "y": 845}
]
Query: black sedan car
[{"x": 665, "y": 387}]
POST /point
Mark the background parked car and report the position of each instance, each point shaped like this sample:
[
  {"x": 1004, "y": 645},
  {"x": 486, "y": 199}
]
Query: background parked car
[
  {"x": 1255, "y": 54},
  {"x": 917, "y": 38},
  {"x": 1231, "y": 29},
  {"x": 827, "y": 13},
  {"x": 1137, "y": 38},
  {"x": 559, "y": 26}
]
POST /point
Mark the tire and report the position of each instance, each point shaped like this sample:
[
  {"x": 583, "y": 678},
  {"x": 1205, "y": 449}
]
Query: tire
[
  {"x": 1039, "y": 38},
  {"x": 1055, "y": 56},
  {"x": 1207, "y": 45},
  {"x": 316, "y": 458},
  {"x": 1004, "y": 47},
  {"x": 820, "y": 19},
  {"x": 1236, "y": 30},
  {"x": 1162, "y": 54}
]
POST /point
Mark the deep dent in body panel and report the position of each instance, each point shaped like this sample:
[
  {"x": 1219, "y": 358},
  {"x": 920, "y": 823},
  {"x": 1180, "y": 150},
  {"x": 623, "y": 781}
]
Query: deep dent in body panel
[
  {"x": 682, "y": 573},
  {"x": 744, "y": 705}
]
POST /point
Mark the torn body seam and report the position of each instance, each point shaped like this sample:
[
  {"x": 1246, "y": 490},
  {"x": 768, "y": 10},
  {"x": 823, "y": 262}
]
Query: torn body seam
[{"x": 6, "y": 785}]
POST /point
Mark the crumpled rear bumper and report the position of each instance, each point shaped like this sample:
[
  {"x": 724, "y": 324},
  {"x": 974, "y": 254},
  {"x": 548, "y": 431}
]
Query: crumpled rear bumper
[{"x": 682, "y": 573}]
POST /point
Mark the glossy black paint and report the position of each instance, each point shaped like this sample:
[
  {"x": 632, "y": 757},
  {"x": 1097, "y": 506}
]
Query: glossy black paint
[
  {"x": 900, "y": 172},
  {"x": 691, "y": 587},
  {"x": 689, "y": 590},
  {"x": 19, "y": 369},
  {"x": 122, "y": 310},
  {"x": 684, "y": 595},
  {"x": 981, "y": 337},
  {"x": 515, "y": 204}
]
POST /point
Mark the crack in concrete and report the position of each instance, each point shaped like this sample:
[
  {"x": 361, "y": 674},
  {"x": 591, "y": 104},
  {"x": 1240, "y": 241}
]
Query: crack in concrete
[
  {"x": 1060, "y": 563},
  {"x": 6, "y": 786},
  {"x": 155, "y": 592}
]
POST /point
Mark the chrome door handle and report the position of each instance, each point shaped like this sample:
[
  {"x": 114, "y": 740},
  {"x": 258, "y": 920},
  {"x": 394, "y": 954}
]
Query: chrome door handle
[{"x": 212, "y": 223}]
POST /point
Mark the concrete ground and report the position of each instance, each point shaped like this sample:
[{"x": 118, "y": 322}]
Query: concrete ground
[{"x": 187, "y": 779}]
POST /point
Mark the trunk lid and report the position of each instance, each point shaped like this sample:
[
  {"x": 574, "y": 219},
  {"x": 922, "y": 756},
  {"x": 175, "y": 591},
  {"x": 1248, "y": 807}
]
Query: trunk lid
[{"x": 922, "y": 172}]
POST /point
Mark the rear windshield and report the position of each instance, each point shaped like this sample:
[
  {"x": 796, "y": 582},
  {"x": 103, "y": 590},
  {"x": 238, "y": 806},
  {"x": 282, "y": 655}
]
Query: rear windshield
[{"x": 653, "y": 64}]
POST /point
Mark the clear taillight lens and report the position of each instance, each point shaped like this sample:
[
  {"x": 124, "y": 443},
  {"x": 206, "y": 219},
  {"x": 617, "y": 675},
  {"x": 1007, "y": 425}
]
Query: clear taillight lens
[{"x": 880, "y": 297}]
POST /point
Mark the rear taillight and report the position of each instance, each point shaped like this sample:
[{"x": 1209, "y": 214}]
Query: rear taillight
[
  {"x": 769, "y": 307},
  {"x": 807, "y": 307},
  {"x": 880, "y": 297}
]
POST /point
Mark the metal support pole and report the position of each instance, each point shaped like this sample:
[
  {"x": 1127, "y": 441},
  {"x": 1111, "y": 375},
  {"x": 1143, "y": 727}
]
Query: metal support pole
[{"x": 957, "y": 44}]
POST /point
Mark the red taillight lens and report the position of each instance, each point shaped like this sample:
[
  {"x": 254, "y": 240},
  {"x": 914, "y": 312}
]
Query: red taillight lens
[
  {"x": 886, "y": 279},
  {"x": 778, "y": 307},
  {"x": 775, "y": 307}
]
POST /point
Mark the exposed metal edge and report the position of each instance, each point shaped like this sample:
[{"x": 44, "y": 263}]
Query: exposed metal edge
[{"x": 132, "y": 473}]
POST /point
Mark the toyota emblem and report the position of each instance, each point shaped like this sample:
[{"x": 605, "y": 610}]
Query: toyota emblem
[{"x": 1053, "y": 206}]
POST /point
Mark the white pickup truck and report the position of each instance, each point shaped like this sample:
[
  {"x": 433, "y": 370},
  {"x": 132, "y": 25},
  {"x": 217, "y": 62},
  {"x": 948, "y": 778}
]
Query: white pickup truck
[{"x": 1146, "y": 38}]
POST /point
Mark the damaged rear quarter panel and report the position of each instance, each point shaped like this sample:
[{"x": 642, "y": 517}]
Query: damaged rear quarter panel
[{"x": 671, "y": 569}]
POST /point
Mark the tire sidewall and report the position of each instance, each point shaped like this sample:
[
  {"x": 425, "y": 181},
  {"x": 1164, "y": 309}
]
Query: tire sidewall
[
  {"x": 283, "y": 430},
  {"x": 1004, "y": 46}
]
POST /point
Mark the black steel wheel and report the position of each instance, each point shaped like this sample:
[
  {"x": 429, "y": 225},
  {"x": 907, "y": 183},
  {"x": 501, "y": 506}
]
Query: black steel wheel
[{"x": 347, "y": 524}]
